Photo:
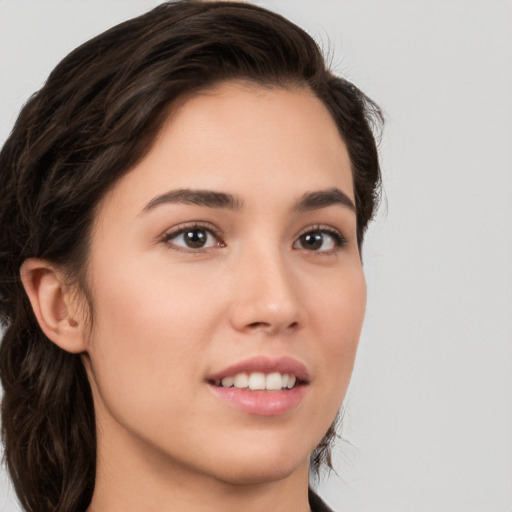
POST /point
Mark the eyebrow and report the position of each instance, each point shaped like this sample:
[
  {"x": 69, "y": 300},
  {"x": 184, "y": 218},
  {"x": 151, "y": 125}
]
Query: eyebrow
[
  {"x": 212, "y": 199},
  {"x": 208, "y": 198},
  {"x": 323, "y": 199}
]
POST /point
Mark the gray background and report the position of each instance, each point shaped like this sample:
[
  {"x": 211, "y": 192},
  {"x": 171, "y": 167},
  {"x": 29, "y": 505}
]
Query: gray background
[{"x": 428, "y": 423}]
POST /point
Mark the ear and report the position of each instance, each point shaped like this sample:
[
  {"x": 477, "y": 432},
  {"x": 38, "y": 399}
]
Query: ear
[{"x": 51, "y": 299}]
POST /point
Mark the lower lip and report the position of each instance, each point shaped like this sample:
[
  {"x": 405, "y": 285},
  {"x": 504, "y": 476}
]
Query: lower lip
[{"x": 263, "y": 403}]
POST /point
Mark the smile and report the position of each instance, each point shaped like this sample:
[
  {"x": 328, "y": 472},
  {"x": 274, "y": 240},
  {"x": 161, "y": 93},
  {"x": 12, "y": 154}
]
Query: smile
[
  {"x": 258, "y": 381},
  {"x": 261, "y": 385}
]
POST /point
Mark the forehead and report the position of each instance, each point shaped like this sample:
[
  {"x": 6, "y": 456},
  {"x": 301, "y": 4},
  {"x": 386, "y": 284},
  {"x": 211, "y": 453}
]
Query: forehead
[{"x": 247, "y": 140}]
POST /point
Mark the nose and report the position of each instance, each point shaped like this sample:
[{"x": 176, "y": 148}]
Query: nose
[{"x": 267, "y": 297}]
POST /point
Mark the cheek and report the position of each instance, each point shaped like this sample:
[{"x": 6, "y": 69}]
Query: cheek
[
  {"x": 341, "y": 309},
  {"x": 340, "y": 314},
  {"x": 148, "y": 331}
]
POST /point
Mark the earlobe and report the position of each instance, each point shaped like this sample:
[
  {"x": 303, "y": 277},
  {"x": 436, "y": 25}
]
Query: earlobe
[{"x": 52, "y": 304}]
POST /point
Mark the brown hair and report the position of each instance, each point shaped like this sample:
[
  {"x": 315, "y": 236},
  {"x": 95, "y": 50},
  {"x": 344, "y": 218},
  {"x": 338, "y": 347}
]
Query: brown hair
[{"x": 95, "y": 117}]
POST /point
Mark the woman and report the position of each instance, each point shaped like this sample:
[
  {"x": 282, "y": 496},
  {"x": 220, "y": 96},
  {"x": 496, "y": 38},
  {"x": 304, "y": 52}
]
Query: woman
[{"x": 184, "y": 204}]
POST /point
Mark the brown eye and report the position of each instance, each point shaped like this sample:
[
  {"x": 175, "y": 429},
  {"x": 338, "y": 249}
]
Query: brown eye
[
  {"x": 320, "y": 241},
  {"x": 312, "y": 241},
  {"x": 195, "y": 238},
  {"x": 192, "y": 238}
]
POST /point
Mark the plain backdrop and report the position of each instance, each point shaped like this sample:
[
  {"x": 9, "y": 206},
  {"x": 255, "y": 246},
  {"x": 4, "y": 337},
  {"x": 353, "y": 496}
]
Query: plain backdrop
[{"x": 428, "y": 423}]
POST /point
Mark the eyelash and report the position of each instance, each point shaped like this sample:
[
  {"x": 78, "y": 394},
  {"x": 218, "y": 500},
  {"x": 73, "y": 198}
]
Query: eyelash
[
  {"x": 339, "y": 240},
  {"x": 196, "y": 226}
]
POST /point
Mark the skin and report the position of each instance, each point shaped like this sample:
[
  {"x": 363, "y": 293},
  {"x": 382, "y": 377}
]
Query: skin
[{"x": 166, "y": 316}]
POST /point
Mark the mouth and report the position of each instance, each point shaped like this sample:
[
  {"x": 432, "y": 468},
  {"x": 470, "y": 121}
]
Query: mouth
[
  {"x": 261, "y": 385},
  {"x": 259, "y": 381}
]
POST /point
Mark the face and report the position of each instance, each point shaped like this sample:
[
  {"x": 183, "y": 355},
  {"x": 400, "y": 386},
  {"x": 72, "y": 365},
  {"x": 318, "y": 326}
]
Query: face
[{"x": 227, "y": 288}]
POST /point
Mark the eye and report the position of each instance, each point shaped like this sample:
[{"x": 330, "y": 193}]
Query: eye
[
  {"x": 320, "y": 240},
  {"x": 192, "y": 237}
]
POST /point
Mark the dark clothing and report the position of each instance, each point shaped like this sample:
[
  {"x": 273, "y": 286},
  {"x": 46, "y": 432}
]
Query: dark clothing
[{"x": 316, "y": 504}]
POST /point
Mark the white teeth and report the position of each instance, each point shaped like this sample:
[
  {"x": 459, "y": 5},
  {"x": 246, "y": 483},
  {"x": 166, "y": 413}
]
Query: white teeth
[
  {"x": 259, "y": 381},
  {"x": 274, "y": 381},
  {"x": 227, "y": 382},
  {"x": 241, "y": 380}
]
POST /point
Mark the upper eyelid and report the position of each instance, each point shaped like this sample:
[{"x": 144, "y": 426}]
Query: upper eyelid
[
  {"x": 322, "y": 227},
  {"x": 180, "y": 228}
]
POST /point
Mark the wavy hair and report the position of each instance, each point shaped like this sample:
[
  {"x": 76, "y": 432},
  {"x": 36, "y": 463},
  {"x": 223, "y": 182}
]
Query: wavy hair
[{"x": 93, "y": 120}]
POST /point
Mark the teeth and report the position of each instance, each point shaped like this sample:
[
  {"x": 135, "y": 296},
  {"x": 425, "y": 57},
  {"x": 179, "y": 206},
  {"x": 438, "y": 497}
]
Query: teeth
[
  {"x": 259, "y": 381},
  {"x": 241, "y": 380},
  {"x": 274, "y": 381},
  {"x": 227, "y": 382}
]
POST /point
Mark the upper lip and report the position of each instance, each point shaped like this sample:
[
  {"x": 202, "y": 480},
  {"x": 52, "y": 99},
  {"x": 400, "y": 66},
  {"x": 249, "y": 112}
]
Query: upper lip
[{"x": 265, "y": 365}]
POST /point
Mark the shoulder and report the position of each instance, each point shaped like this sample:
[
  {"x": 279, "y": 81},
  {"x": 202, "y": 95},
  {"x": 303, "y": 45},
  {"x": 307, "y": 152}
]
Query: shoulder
[{"x": 316, "y": 503}]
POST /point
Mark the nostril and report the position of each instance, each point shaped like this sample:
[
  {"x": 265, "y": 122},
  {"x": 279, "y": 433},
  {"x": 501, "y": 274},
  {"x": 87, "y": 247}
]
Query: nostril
[
  {"x": 268, "y": 325},
  {"x": 256, "y": 325}
]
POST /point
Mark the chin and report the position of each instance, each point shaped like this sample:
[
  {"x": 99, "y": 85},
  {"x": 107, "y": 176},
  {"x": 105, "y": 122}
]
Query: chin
[
  {"x": 254, "y": 474},
  {"x": 253, "y": 467}
]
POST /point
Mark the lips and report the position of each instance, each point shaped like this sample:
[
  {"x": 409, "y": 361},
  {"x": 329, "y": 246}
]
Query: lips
[{"x": 262, "y": 385}]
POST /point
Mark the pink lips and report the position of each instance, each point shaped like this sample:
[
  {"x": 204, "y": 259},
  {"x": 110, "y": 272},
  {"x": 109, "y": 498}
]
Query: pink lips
[{"x": 263, "y": 403}]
